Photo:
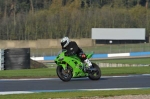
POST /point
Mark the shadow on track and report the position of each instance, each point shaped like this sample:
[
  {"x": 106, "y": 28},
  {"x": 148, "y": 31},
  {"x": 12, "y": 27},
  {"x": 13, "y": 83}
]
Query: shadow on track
[{"x": 86, "y": 79}]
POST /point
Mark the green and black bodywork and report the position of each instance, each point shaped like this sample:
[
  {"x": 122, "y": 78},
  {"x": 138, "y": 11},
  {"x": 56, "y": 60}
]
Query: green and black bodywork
[{"x": 72, "y": 67}]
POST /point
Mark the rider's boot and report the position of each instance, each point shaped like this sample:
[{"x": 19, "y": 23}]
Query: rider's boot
[{"x": 89, "y": 64}]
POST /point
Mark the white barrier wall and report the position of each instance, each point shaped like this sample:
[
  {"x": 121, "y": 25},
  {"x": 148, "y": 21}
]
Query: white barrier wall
[
  {"x": 1, "y": 59},
  {"x": 37, "y": 58},
  {"x": 118, "y": 33},
  {"x": 118, "y": 54}
]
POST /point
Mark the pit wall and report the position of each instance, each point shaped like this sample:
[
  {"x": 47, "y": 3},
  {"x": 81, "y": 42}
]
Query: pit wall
[
  {"x": 44, "y": 43},
  {"x": 41, "y": 43}
]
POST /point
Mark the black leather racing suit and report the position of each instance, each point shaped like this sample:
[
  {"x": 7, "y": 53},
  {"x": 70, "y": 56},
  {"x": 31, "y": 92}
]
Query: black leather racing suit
[{"x": 72, "y": 48}]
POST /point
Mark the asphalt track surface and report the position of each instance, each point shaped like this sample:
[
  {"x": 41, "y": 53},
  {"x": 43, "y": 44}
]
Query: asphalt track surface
[{"x": 55, "y": 84}]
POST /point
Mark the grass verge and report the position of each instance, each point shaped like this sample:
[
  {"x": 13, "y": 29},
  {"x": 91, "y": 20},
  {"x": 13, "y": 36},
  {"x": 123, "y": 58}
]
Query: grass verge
[
  {"x": 77, "y": 95},
  {"x": 51, "y": 72},
  {"x": 126, "y": 61}
]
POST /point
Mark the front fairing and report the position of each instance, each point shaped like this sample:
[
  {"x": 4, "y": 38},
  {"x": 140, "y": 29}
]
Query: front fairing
[
  {"x": 62, "y": 59},
  {"x": 60, "y": 56},
  {"x": 73, "y": 61},
  {"x": 89, "y": 55}
]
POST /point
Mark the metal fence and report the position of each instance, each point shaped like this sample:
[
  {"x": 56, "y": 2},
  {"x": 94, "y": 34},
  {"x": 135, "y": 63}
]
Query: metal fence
[{"x": 110, "y": 48}]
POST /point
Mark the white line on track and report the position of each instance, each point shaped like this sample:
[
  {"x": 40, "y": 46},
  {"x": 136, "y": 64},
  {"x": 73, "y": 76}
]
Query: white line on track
[
  {"x": 15, "y": 92},
  {"x": 71, "y": 90},
  {"x": 127, "y": 76},
  {"x": 28, "y": 79}
]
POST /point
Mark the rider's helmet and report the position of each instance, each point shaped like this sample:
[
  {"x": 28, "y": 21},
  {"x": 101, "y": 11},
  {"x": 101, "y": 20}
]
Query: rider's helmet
[{"x": 65, "y": 41}]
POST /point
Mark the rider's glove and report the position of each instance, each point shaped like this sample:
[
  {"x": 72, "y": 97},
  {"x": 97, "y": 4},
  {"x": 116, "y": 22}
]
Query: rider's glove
[{"x": 72, "y": 53}]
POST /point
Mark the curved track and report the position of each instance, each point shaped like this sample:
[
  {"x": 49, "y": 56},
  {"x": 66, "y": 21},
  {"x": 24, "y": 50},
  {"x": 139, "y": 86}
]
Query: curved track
[{"x": 55, "y": 84}]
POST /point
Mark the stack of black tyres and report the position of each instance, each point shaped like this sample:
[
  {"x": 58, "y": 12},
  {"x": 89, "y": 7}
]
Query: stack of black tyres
[{"x": 18, "y": 58}]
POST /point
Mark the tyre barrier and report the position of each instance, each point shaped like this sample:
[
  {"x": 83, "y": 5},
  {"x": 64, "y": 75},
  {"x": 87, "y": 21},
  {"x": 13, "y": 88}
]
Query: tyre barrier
[{"x": 18, "y": 58}]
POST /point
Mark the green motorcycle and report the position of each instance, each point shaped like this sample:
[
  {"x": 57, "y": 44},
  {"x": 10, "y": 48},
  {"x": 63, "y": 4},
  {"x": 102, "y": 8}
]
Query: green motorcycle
[{"x": 72, "y": 67}]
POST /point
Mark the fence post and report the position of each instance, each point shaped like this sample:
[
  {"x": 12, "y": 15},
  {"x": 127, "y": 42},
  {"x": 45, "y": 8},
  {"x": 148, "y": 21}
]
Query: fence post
[{"x": 1, "y": 59}]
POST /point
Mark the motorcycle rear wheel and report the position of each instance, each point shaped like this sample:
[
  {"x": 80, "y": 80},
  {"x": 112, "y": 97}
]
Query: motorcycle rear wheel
[
  {"x": 95, "y": 75},
  {"x": 64, "y": 75}
]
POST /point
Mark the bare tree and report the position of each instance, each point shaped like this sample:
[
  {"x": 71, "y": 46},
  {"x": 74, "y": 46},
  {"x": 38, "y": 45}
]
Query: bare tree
[
  {"x": 5, "y": 10},
  {"x": 31, "y": 6},
  {"x": 138, "y": 2},
  {"x": 146, "y": 5},
  {"x": 147, "y": 19}
]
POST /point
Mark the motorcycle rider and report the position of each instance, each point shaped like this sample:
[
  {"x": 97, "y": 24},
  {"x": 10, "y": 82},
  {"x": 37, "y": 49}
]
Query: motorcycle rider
[{"x": 72, "y": 48}]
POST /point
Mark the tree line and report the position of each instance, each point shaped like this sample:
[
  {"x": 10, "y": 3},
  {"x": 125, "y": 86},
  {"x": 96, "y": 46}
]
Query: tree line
[{"x": 50, "y": 19}]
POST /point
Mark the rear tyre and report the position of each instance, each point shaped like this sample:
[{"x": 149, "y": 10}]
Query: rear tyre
[
  {"x": 64, "y": 75},
  {"x": 95, "y": 75}
]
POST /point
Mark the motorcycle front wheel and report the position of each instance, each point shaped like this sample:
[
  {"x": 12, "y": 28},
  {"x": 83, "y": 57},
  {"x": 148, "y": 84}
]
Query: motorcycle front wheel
[
  {"x": 64, "y": 75},
  {"x": 95, "y": 75}
]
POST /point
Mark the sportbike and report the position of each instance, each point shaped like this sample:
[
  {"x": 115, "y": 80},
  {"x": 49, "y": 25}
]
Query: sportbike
[{"x": 72, "y": 67}]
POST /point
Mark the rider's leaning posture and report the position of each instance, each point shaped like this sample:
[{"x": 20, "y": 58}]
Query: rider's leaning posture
[{"x": 72, "y": 48}]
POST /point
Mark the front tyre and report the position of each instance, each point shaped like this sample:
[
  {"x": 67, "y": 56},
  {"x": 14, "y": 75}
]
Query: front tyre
[
  {"x": 64, "y": 75},
  {"x": 95, "y": 75}
]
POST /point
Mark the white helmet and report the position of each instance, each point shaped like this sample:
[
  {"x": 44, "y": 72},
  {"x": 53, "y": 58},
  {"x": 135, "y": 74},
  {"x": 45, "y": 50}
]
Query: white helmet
[{"x": 65, "y": 41}]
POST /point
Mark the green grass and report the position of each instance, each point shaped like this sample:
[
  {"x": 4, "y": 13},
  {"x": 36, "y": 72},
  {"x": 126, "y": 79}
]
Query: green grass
[
  {"x": 125, "y": 70},
  {"x": 28, "y": 73},
  {"x": 51, "y": 72},
  {"x": 77, "y": 95},
  {"x": 126, "y": 61}
]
